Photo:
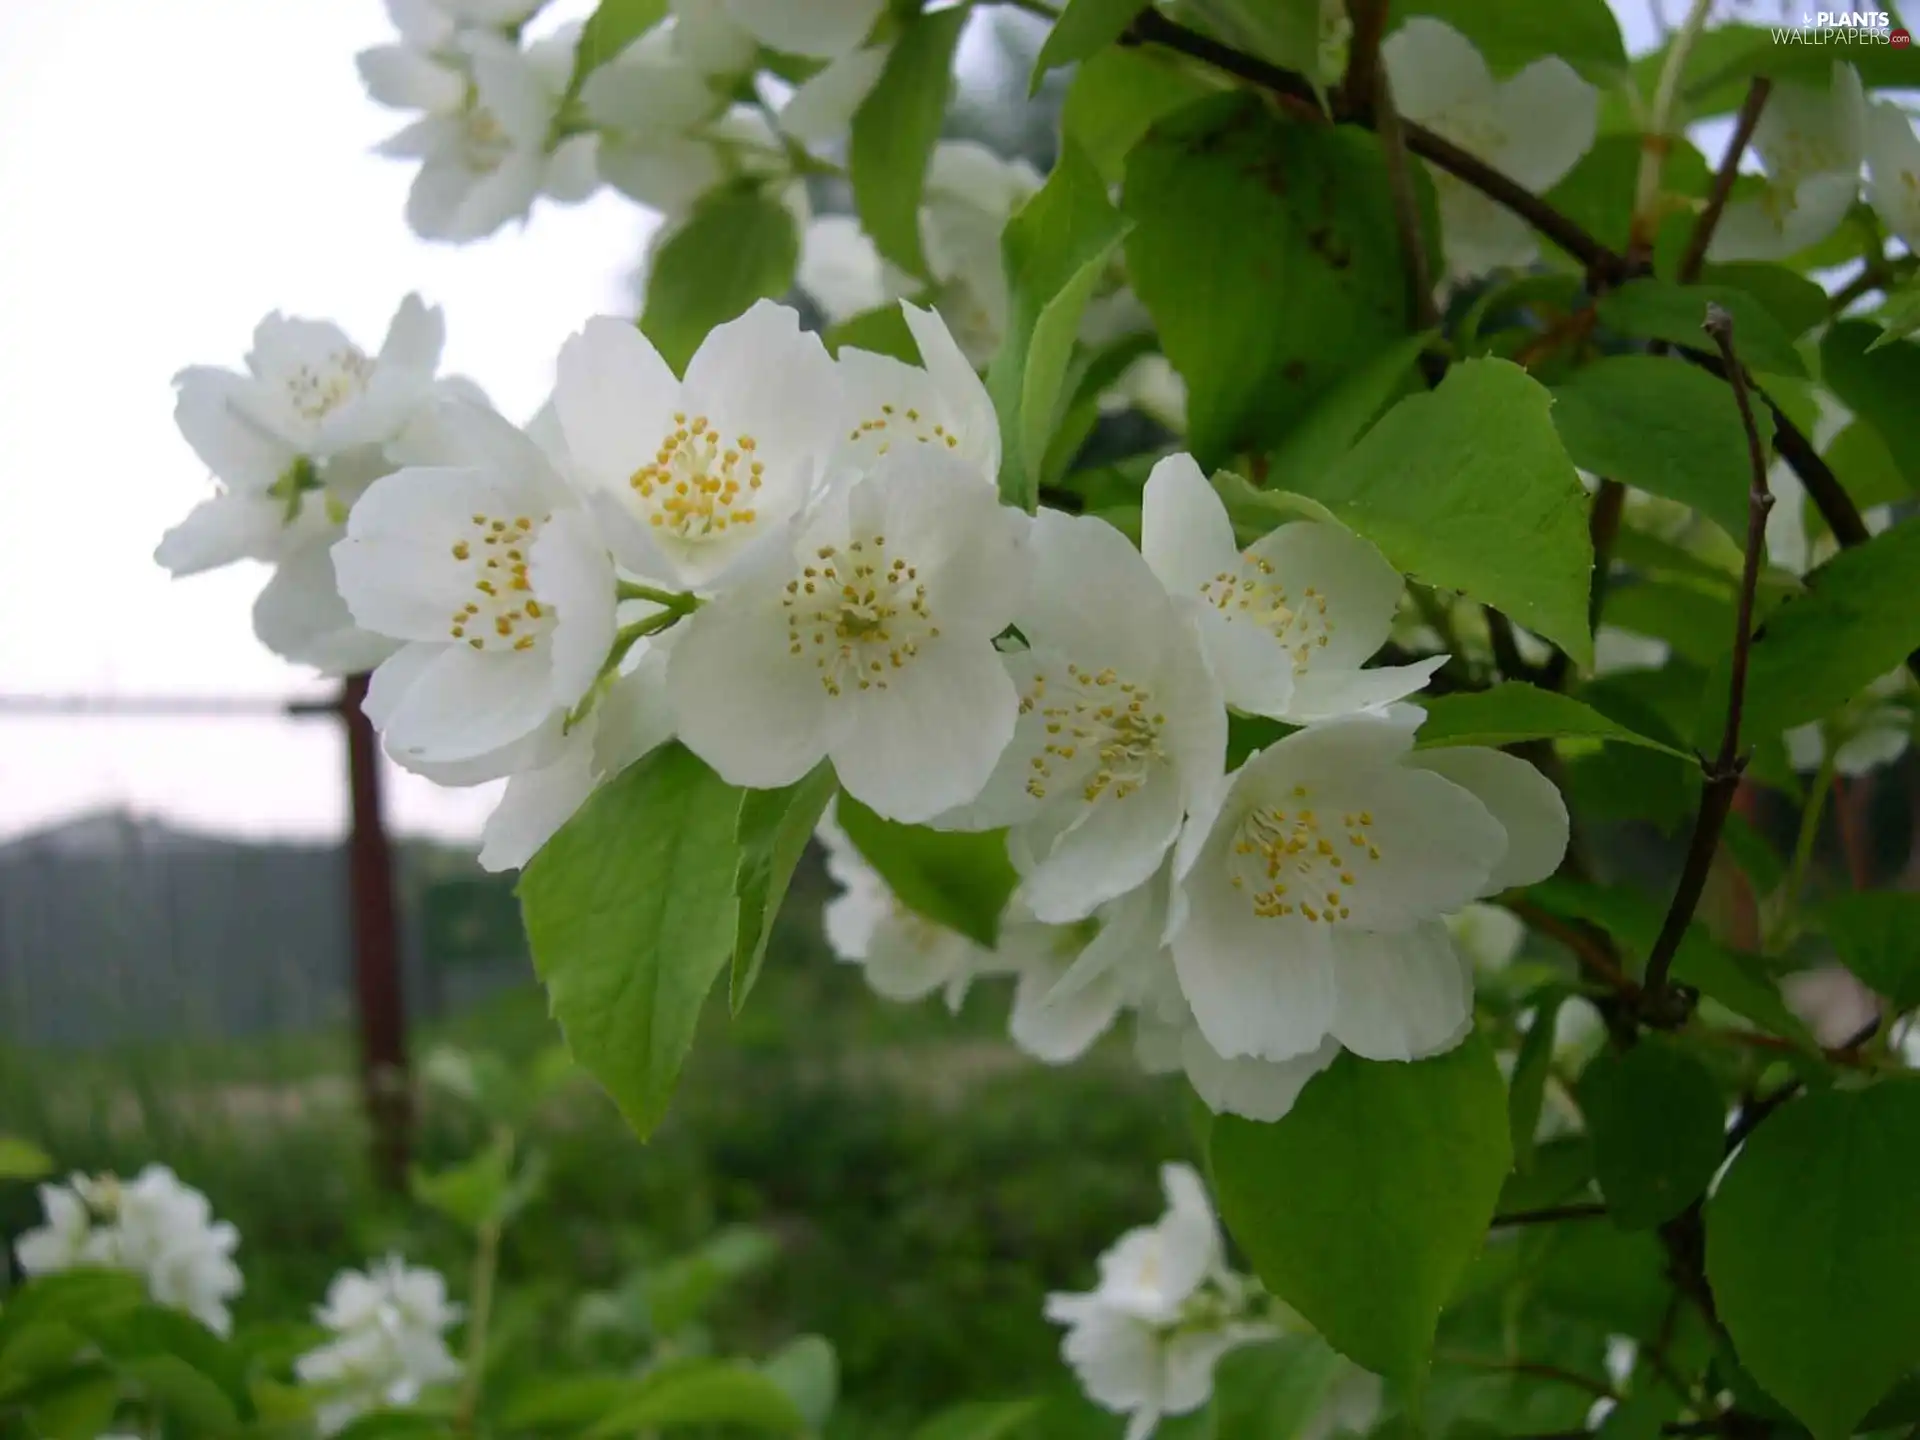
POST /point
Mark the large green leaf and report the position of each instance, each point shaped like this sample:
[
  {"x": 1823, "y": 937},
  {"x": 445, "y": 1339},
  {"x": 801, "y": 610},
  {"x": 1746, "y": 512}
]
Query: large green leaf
[
  {"x": 1527, "y": 1090},
  {"x": 1813, "y": 1254},
  {"x": 1084, "y": 28},
  {"x": 1055, "y": 250},
  {"x": 1597, "y": 193},
  {"x": 1514, "y": 712},
  {"x": 775, "y": 826},
  {"x": 1583, "y": 33},
  {"x": 1857, "y": 620},
  {"x": 65, "y": 1297},
  {"x": 980, "y": 1420},
  {"x": 22, "y": 1159},
  {"x": 895, "y": 130},
  {"x": 704, "y": 1392},
  {"x": 1363, "y": 1207},
  {"x": 1662, "y": 310},
  {"x": 1345, "y": 410},
  {"x": 76, "y": 1404},
  {"x": 1662, "y": 426},
  {"x": 630, "y": 913},
  {"x": 1468, "y": 488},
  {"x": 1115, "y": 98},
  {"x": 738, "y": 247},
  {"x": 1879, "y": 387},
  {"x": 1876, "y": 934},
  {"x": 1658, "y": 1128},
  {"x": 1266, "y": 251},
  {"x": 958, "y": 880}
]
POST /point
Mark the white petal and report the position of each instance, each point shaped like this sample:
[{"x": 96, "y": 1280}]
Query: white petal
[
  {"x": 823, "y": 28},
  {"x": 1525, "y": 803},
  {"x": 1316, "y": 561},
  {"x": 761, "y": 375},
  {"x": 415, "y": 338},
  {"x": 300, "y": 617},
  {"x": 1481, "y": 236},
  {"x": 508, "y": 87},
  {"x": 634, "y": 715},
  {"x": 615, "y": 397},
  {"x": 1093, "y": 598},
  {"x": 438, "y": 192},
  {"x": 1059, "y": 1028},
  {"x": 407, "y": 79},
  {"x": 821, "y": 110},
  {"x": 741, "y": 702},
  {"x": 1402, "y": 996},
  {"x": 930, "y": 740},
  {"x": 1434, "y": 69},
  {"x": 1185, "y": 533},
  {"x": 533, "y": 807},
  {"x": 667, "y": 173},
  {"x": 1548, "y": 114},
  {"x": 220, "y": 531},
  {"x": 959, "y": 386},
  {"x": 1106, "y": 849},
  {"x": 1262, "y": 1090},
  {"x": 236, "y": 448},
  {"x": 1329, "y": 693},
  {"x": 1893, "y": 171},
  {"x": 570, "y": 569},
  {"x": 572, "y": 171},
  {"x": 466, "y": 703},
  {"x": 391, "y": 680},
  {"x": 979, "y": 563},
  {"x": 840, "y": 269}
]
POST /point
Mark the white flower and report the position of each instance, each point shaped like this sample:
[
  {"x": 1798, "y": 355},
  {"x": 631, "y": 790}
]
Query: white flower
[
  {"x": 1532, "y": 127},
  {"x": 493, "y": 577},
  {"x": 1166, "y": 1039},
  {"x": 820, "y": 28},
  {"x": 153, "y": 1226},
  {"x": 1313, "y": 882},
  {"x": 1488, "y": 935},
  {"x": 1289, "y": 621},
  {"x": 688, "y": 474},
  {"x": 664, "y": 142},
  {"x": 867, "y": 639},
  {"x": 1121, "y": 724},
  {"x": 629, "y": 718},
  {"x": 1144, "y": 1342},
  {"x": 904, "y": 955},
  {"x": 1811, "y": 142},
  {"x": 1076, "y": 980},
  {"x": 1873, "y": 729},
  {"x": 970, "y": 194},
  {"x": 819, "y": 114},
  {"x": 484, "y": 145},
  {"x": 939, "y": 402},
  {"x": 389, "y": 1326},
  {"x": 1893, "y": 171},
  {"x": 842, "y": 273}
]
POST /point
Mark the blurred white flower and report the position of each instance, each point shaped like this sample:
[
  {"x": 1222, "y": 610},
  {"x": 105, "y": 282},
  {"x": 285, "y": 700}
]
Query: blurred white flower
[
  {"x": 1811, "y": 140},
  {"x": 1873, "y": 729},
  {"x": 1532, "y": 127},
  {"x": 939, "y": 402},
  {"x": 1145, "y": 1341},
  {"x": 153, "y": 1226},
  {"x": 1893, "y": 171},
  {"x": 389, "y": 1325}
]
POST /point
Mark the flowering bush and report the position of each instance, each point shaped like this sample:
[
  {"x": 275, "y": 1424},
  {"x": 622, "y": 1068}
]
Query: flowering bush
[{"x": 1479, "y": 510}]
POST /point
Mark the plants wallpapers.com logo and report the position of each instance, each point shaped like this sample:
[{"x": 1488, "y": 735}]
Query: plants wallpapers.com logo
[{"x": 1844, "y": 27}]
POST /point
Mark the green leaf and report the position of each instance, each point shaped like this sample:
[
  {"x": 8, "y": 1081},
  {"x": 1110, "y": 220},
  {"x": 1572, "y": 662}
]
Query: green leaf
[
  {"x": 1877, "y": 937},
  {"x": 630, "y": 915},
  {"x": 1658, "y": 1128},
  {"x": 1363, "y": 1207},
  {"x": 1878, "y": 387},
  {"x": 67, "y": 1296},
  {"x": 1468, "y": 488},
  {"x": 809, "y": 1371},
  {"x": 738, "y": 247},
  {"x": 679, "y": 1291},
  {"x": 1056, "y": 249},
  {"x": 1277, "y": 1390},
  {"x": 957, "y": 880},
  {"x": 1513, "y": 712},
  {"x": 1266, "y": 251},
  {"x": 474, "y": 1193},
  {"x": 894, "y": 132},
  {"x": 22, "y": 1159},
  {"x": 1813, "y": 1254},
  {"x": 1865, "y": 468},
  {"x": 183, "y": 1363},
  {"x": 182, "y": 1392},
  {"x": 1527, "y": 1090},
  {"x": 880, "y": 332},
  {"x": 1790, "y": 297},
  {"x": 1662, "y": 310},
  {"x": 774, "y": 828},
  {"x": 979, "y": 1420},
  {"x": 1343, "y": 413},
  {"x": 77, "y": 1405},
  {"x": 1899, "y": 313},
  {"x": 1718, "y": 72},
  {"x": 1084, "y": 27},
  {"x": 395, "y": 1425},
  {"x": 613, "y": 26},
  {"x": 1696, "y": 621},
  {"x": 1663, "y": 426},
  {"x": 1856, "y": 621},
  {"x": 1583, "y": 33},
  {"x": 1116, "y": 96},
  {"x": 1598, "y": 192},
  {"x": 567, "y": 1402},
  {"x": 704, "y": 1392}
]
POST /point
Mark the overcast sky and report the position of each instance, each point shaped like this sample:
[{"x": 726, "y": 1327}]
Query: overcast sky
[{"x": 168, "y": 174}]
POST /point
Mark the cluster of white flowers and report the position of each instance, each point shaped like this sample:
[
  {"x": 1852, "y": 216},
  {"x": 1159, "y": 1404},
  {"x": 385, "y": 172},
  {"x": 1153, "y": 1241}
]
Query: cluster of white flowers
[
  {"x": 153, "y": 1226},
  {"x": 1145, "y": 1340},
  {"x": 389, "y": 1326}
]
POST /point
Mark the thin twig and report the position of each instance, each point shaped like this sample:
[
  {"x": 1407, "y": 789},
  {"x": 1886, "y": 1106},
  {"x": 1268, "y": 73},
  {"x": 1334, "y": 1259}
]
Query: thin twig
[
  {"x": 1752, "y": 1113},
  {"x": 1702, "y": 237},
  {"x": 1406, "y": 220},
  {"x": 1364, "y": 72},
  {"x": 1588, "y": 948},
  {"x": 1539, "y": 1369},
  {"x": 1551, "y": 1214},
  {"x": 1656, "y": 139},
  {"x": 1722, "y": 772}
]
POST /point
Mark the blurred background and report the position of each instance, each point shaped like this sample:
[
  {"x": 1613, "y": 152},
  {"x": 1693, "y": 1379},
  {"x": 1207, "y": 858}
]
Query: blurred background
[{"x": 177, "y": 931}]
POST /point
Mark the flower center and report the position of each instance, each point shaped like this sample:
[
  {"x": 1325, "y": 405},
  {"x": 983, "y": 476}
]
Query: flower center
[
  {"x": 894, "y": 423},
  {"x": 1102, "y": 734},
  {"x": 695, "y": 486},
  {"x": 316, "y": 391},
  {"x": 1296, "y": 862},
  {"x": 1251, "y": 594},
  {"x": 860, "y": 613},
  {"x": 505, "y": 613},
  {"x": 484, "y": 143}
]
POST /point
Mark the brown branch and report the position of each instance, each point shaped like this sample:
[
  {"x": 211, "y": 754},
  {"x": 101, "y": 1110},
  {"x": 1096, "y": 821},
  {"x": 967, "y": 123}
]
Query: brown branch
[
  {"x": 1406, "y": 220},
  {"x": 1588, "y": 948},
  {"x": 1364, "y": 73},
  {"x": 1580, "y": 1210},
  {"x": 1755, "y": 1111},
  {"x": 1665, "y": 1007},
  {"x": 1150, "y": 27},
  {"x": 1698, "y": 242},
  {"x": 1494, "y": 1365}
]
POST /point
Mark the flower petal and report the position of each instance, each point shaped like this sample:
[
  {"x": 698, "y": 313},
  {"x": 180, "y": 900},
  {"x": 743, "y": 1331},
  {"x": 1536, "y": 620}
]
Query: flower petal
[
  {"x": 1525, "y": 803},
  {"x": 571, "y": 570},
  {"x": 533, "y": 807},
  {"x": 300, "y": 616},
  {"x": 616, "y": 399},
  {"x": 1402, "y": 996},
  {"x": 406, "y": 79},
  {"x": 1262, "y": 1090},
  {"x": 1091, "y": 854},
  {"x": 239, "y": 450},
  {"x": 1185, "y": 533},
  {"x": 1329, "y": 694},
  {"x": 822, "y": 28},
  {"x": 1547, "y": 114},
  {"x": 220, "y": 531},
  {"x": 1319, "y": 562},
  {"x": 466, "y": 703}
]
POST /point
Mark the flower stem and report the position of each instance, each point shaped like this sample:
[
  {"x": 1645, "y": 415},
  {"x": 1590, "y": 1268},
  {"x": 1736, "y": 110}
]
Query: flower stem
[
  {"x": 677, "y": 601},
  {"x": 486, "y": 1261}
]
